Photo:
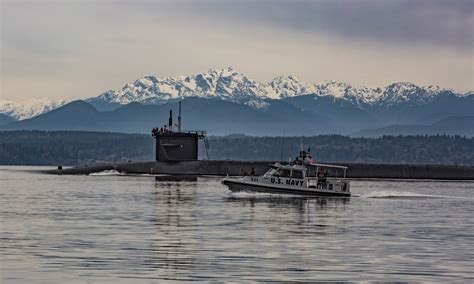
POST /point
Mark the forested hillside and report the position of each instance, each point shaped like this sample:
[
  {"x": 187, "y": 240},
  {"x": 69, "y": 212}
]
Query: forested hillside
[
  {"x": 74, "y": 147},
  {"x": 437, "y": 149}
]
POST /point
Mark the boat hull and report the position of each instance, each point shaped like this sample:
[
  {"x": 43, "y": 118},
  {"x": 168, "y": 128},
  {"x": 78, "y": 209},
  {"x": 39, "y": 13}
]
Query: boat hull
[{"x": 237, "y": 186}]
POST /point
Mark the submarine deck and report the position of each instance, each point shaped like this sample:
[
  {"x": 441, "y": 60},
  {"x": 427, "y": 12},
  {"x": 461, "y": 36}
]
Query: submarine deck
[{"x": 235, "y": 168}]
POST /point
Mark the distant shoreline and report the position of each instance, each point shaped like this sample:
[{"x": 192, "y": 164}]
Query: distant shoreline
[{"x": 52, "y": 148}]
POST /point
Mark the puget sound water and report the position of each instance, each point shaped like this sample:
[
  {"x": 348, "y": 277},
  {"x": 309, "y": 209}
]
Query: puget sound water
[{"x": 135, "y": 229}]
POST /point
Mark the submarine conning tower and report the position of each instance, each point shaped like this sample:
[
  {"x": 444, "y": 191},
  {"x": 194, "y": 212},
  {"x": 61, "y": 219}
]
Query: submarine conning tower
[{"x": 174, "y": 144}]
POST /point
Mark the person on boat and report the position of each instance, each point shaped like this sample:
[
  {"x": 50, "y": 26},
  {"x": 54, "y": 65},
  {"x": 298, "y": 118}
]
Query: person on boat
[
  {"x": 322, "y": 178},
  {"x": 301, "y": 158}
]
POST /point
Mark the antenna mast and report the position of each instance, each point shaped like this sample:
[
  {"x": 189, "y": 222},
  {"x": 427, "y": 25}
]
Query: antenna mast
[
  {"x": 170, "y": 121},
  {"x": 179, "y": 117}
]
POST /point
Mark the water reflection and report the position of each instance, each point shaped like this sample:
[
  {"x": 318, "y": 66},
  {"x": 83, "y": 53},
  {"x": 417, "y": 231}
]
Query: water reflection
[
  {"x": 299, "y": 204},
  {"x": 176, "y": 178},
  {"x": 292, "y": 201},
  {"x": 172, "y": 244},
  {"x": 114, "y": 228},
  {"x": 299, "y": 215}
]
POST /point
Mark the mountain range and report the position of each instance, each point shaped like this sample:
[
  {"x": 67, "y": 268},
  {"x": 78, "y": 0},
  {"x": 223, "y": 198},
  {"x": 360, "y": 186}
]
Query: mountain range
[
  {"x": 226, "y": 101},
  {"x": 13, "y": 111}
]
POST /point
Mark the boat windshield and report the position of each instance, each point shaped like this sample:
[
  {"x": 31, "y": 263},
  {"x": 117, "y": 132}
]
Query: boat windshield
[
  {"x": 282, "y": 173},
  {"x": 326, "y": 171},
  {"x": 297, "y": 174},
  {"x": 270, "y": 172}
]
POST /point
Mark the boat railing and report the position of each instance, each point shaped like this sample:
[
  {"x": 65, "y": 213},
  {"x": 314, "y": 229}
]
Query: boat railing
[{"x": 327, "y": 165}]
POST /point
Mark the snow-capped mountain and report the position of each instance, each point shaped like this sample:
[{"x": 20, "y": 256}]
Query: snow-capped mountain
[
  {"x": 230, "y": 85},
  {"x": 403, "y": 92},
  {"x": 225, "y": 84},
  {"x": 288, "y": 86},
  {"x": 29, "y": 108}
]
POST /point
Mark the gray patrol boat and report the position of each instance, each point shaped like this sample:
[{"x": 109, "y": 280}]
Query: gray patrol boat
[{"x": 302, "y": 176}]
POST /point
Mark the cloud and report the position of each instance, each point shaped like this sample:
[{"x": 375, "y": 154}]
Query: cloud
[
  {"x": 442, "y": 22},
  {"x": 79, "y": 49}
]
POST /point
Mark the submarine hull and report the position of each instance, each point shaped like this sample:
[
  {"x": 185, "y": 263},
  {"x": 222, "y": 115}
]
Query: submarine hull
[{"x": 239, "y": 168}]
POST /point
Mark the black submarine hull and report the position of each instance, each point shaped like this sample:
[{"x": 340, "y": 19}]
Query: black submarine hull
[{"x": 238, "y": 168}]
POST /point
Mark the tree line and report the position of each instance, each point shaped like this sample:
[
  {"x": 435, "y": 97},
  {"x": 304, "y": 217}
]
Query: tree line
[
  {"x": 421, "y": 149},
  {"x": 77, "y": 147}
]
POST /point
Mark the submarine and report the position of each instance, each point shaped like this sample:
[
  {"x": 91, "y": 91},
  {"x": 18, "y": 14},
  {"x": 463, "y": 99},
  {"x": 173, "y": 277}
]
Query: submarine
[{"x": 176, "y": 154}]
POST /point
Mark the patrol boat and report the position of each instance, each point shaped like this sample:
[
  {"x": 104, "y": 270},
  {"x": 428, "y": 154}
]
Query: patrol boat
[{"x": 302, "y": 176}]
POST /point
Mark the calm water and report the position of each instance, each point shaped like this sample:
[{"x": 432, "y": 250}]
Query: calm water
[{"x": 57, "y": 229}]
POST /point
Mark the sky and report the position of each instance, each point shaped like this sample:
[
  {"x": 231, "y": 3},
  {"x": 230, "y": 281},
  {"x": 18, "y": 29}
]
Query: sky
[{"x": 73, "y": 49}]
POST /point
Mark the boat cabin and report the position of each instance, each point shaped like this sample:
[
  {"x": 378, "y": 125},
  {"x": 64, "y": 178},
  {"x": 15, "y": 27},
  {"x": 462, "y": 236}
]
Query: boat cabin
[
  {"x": 325, "y": 170},
  {"x": 308, "y": 170},
  {"x": 286, "y": 171}
]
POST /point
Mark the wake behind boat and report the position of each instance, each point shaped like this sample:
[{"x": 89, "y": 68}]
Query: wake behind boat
[{"x": 300, "y": 177}]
